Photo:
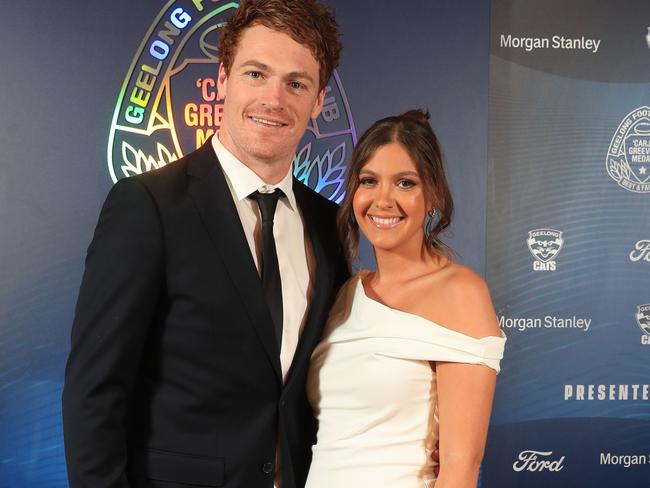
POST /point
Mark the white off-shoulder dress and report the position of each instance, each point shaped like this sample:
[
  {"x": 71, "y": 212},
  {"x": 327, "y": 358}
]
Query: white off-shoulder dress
[{"x": 373, "y": 391}]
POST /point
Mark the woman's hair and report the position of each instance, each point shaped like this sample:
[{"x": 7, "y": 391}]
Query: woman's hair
[
  {"x": 413, "y": 132},
  {"x": 306, "y": 21}
]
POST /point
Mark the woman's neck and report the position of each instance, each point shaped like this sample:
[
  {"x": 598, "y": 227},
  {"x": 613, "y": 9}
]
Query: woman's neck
[{"x": 395, "y": 266}]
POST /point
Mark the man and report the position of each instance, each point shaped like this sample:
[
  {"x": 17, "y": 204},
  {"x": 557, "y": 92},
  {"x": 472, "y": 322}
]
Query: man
[{"x": 198, "y": 311}]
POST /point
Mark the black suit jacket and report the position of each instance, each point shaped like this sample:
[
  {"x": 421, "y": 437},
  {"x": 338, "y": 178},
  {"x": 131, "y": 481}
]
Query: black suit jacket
[{"x": 174, "y": 374}]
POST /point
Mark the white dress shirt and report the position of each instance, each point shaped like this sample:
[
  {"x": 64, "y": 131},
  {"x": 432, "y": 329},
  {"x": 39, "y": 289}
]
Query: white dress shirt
[{"x": 292, "y": 244}]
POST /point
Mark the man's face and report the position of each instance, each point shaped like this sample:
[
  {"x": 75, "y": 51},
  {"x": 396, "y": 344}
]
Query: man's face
[{"x": 270, "y": 94}]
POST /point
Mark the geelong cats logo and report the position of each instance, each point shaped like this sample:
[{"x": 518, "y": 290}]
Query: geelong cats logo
[
  {"x": 643, "y": 317},
  {"x": 544, "y": 245}
]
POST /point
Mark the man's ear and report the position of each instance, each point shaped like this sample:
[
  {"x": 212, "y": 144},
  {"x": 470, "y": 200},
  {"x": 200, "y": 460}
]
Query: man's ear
[
  {"x": 222, "y": 82},
  {"x": 318, "y": 106}
]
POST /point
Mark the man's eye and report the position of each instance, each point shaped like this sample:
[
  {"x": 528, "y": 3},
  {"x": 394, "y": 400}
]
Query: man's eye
[
  {"x": 254, "y": 74},
  {"x": 296, "y": 85}
]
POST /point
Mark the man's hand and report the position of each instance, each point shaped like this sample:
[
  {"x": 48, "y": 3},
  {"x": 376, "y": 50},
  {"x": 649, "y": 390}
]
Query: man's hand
[{"x": 435, "y": 456}]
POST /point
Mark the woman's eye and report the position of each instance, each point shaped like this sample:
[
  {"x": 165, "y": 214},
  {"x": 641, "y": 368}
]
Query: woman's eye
[
  {"x": 367, "y": 181},
  {"x": 406, "y": 184}
]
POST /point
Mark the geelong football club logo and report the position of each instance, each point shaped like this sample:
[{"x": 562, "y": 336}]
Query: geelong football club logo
[
  {"x": 628, "y": 157},
  {"x": 643, "y": 318},
  {"x": 168, "y": 104},
  {"x": 544, "y": 245}
]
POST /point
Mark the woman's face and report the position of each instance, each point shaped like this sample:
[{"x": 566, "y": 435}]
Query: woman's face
[{"x": 389, "y": 204}]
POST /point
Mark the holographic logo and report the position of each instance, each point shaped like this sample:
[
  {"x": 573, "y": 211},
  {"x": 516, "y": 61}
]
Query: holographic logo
[
  {"x": 168, "y": 104},
  {"x": 628, "y": 157}
]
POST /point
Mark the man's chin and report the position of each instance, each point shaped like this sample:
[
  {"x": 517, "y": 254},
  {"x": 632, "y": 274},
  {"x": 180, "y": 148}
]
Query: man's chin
[{"x": 271, "y": 153}]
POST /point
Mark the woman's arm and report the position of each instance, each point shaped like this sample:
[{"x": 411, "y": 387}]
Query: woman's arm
[{"x": 465, "y": 391}]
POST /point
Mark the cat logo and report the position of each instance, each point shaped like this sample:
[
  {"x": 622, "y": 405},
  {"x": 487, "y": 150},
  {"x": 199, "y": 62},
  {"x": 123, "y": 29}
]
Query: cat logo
[
  {"x": 544, "y": 245},
  {"x": 643, "y": 320}
]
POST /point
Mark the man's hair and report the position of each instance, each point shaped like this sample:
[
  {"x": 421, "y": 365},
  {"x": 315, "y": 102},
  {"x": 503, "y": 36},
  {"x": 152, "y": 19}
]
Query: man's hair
[{"x": 306, "y": 21}]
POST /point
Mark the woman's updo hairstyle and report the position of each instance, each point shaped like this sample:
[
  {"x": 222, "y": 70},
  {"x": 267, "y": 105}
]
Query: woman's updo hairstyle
[{"x": 413, "y": 131}]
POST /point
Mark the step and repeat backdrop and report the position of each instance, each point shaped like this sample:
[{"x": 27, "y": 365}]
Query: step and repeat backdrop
[
  {"x": 98, "y": 91},
  {"x": 568, "y": 242}
]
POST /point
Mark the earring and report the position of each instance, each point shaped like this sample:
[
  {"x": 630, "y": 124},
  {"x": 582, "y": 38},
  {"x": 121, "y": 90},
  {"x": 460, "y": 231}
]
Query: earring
[{"x": 429, "y": 223}]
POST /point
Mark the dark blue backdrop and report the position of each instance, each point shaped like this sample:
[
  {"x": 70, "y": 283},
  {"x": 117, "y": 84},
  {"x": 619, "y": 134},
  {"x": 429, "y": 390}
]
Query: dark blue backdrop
[
  {"x": 564, "y": 243},
  {"x": 63, "y": 64}
]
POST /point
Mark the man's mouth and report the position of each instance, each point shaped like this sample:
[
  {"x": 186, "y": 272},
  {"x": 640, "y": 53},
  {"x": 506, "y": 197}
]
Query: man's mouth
[{"x": 266, "y": 122}]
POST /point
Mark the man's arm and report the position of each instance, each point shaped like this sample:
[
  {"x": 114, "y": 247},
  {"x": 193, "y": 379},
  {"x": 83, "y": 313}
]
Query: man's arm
[{"x": 119, "y": 293}]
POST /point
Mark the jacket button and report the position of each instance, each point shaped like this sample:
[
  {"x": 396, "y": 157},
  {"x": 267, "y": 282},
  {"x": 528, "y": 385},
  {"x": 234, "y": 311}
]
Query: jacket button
[{"x": 267, "y": 468}]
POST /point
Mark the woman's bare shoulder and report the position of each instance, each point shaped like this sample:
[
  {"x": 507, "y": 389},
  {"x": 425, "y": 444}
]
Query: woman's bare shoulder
[{"x": 461, "y": 299}]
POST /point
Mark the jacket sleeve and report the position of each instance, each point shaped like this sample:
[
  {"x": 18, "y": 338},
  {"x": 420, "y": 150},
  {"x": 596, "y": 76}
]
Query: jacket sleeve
[{"x": 118, "y": 298}]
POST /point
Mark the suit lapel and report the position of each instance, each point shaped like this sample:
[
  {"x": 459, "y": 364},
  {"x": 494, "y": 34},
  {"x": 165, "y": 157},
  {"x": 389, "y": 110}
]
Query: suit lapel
[
  {"x": 323, "y": 278},
  {"x": 213, "y": 200}
]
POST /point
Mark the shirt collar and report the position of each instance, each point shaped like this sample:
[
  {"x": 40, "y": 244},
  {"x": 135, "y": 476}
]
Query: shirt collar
[{"x": 243, "y": 180}]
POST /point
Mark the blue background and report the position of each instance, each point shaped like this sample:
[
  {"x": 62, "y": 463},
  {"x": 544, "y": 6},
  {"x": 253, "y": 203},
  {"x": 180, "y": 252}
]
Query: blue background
[
  {"x": 62, "y": 67},
  {"x": 552, "y": 116}
]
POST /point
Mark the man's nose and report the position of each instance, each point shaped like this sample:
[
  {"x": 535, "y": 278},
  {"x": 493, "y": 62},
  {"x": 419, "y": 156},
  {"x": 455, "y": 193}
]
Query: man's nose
[{"x": 274, "y": 93}]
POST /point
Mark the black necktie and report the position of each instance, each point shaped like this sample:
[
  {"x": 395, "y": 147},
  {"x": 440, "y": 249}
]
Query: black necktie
[{"x": 271, "y": 281}]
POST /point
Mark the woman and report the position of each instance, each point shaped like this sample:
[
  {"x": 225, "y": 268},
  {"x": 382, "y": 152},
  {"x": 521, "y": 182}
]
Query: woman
[{"x": 410, "y": 352}]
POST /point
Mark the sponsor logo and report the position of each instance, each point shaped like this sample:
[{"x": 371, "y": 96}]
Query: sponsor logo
[
  {"x": 628, "y": 156},
  {"x": 625, "y": 460},
  {"x": 548, "y": 322},
  {"x": 529, "y": 44},
  {"x": 641, "y": 252},
  {"x": 544, "y": 245},
  {"x": 168, "y": 104},
  {"x": 643, "y": 320},
  {"x": 537, "y": 461},
  {"x": 607, "y": 392}
]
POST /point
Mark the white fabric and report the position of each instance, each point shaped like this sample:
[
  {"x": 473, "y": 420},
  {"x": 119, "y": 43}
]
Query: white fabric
[
  {"x": 291, "y": 243},
  {"x": 373, "y": 390}
]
